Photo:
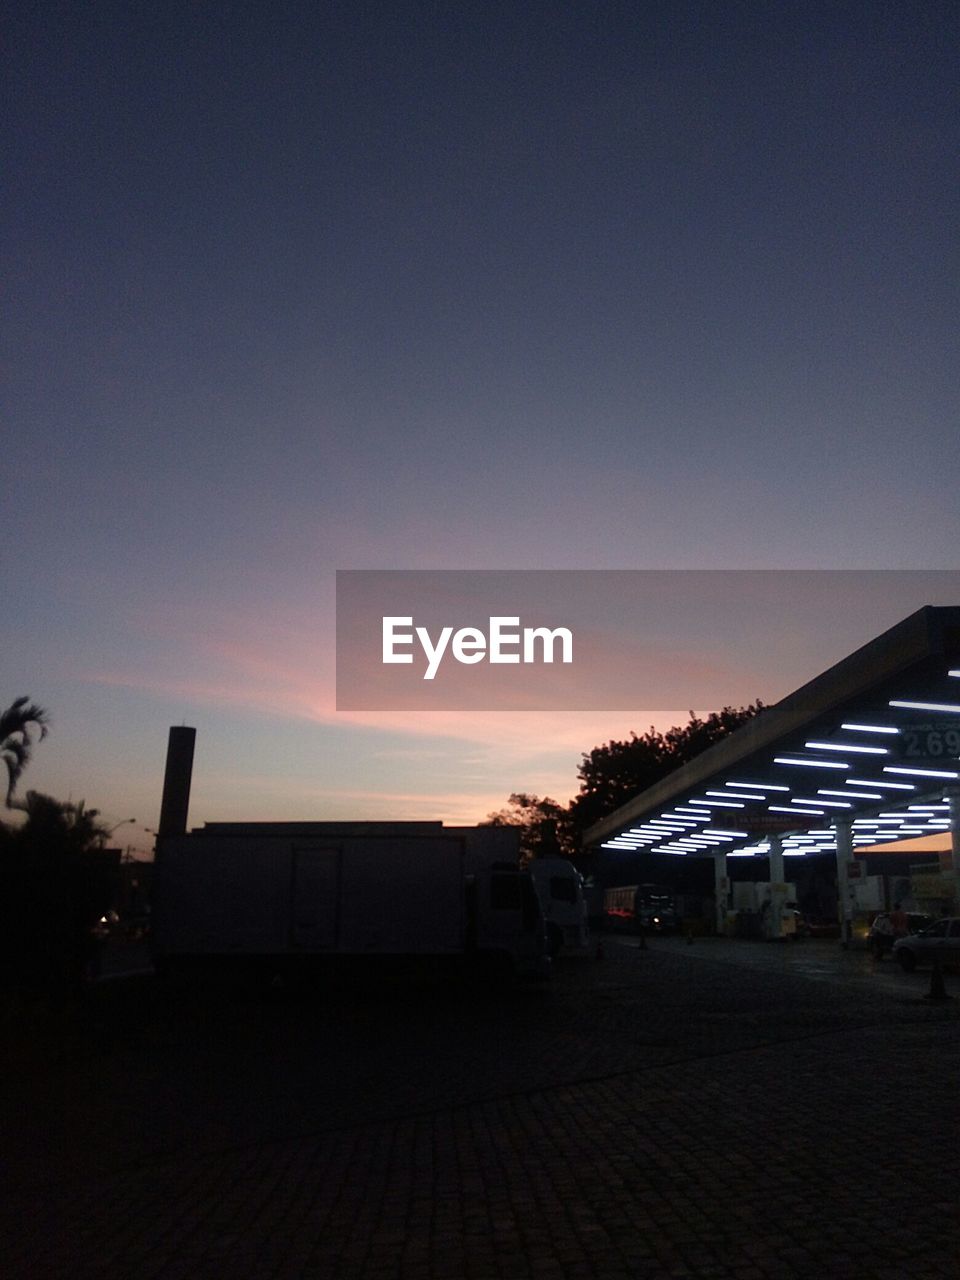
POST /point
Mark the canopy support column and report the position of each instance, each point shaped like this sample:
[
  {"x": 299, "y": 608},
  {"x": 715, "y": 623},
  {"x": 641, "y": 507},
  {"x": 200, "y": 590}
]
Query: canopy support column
[
  {"x": 952, "y": 797},
  {"x": 843, "y": 830},
  {"x": 721, "y": 889},
  {"x": 778, "y": 888}
]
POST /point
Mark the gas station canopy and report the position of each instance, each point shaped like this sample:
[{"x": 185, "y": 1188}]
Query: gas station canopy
[{"x": 872, "y": 744}]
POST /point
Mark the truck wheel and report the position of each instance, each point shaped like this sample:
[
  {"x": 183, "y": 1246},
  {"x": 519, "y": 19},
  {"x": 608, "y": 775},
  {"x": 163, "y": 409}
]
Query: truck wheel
[
  {"x": 908, "y": 961},
  {"x": 554, "y": 940}
]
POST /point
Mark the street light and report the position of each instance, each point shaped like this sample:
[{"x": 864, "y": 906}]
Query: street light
[{"x": 105, "y": 836}]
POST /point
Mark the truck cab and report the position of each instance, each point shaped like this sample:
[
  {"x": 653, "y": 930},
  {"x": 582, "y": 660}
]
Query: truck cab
[{"x": 559, "y": 888}]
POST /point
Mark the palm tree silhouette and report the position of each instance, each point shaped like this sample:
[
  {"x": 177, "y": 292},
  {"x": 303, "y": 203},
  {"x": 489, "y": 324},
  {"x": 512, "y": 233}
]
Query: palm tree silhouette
[{"x": 16, "y": 742}]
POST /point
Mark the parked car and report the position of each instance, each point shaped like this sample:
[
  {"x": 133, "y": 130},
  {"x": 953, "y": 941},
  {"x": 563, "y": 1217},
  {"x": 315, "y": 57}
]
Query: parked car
[
  {"x": 881, "y": 936},
  {"x": 939, "y": 941}
]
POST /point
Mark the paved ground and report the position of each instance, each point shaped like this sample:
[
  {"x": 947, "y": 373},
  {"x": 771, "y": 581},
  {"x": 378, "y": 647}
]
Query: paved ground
[{"x": 726, "y": 1109}]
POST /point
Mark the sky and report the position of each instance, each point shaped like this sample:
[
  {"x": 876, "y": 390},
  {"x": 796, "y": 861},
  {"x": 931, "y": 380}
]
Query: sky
[{"x": 306, "y": 287}]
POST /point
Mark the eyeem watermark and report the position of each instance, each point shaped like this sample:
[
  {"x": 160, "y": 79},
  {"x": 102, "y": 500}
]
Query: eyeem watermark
[
  {"x": 506, "y": 643},
  {"x": 639, "y": 641}
]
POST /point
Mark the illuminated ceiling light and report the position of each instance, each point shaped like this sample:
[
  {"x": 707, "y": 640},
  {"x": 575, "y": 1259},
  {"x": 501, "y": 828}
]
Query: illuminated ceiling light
[
  {"x": 870, "y": 728},
  {"x": 721, "y": 804},
  {"x": 920, "y": 773},
  {"x": 831, "y": 804},
  {"x": 758, "y": 786},
  {"x": 953, "y": 673},
  {"x": 846, "y": 746},
  {"x": 729, "y": 835},
  {"x": 782, "y": 808},
  {"x": 857, "y": 795},
  {"x": 887, "y": 786},
  {"x": 740, "y": 795},
  {"x": 698, "y": 813},
  {"x": 950, "y": 707},
  {"x": 812, "y": 764}
]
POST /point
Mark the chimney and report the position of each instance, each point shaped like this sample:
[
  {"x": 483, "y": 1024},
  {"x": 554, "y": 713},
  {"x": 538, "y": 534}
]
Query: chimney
[{"x": 176, "y": 781}]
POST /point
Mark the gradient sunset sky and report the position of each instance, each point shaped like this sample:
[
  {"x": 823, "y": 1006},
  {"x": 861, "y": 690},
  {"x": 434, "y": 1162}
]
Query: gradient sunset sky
[{"x": 307, "y": 286}]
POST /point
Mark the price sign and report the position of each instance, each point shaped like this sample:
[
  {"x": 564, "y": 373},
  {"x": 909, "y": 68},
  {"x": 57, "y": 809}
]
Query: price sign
[{"x": 930, "y": 741}]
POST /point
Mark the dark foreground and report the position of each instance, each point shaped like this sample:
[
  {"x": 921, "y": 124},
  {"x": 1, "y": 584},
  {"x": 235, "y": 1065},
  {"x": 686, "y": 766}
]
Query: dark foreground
[{"x": 722, "y": 1109}]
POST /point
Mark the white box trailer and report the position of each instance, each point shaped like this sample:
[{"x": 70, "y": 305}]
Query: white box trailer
[{"x": 308, "y": 890}]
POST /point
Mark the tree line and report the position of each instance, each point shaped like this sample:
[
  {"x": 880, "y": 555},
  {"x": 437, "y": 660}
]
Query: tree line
[
  {"x": 610, "y": 775},
  {"x": 52, "y": 885}
]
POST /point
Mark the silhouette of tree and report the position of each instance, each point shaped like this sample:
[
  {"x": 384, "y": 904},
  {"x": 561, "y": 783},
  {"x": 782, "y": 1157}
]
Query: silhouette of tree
[
  {"x": 610, "y": 775},
  {"x": 16, "y": 741},
  {"x": 54, "y": 875},
  {"x": 613, "y": 774},
  {"x": 543, "y": 827},
  {"x": 55, "y": 885}
]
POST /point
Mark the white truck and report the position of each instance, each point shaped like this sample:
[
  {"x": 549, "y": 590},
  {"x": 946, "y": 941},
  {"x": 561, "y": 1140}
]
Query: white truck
[
  {"x": 559, "y": 887},
  {"x": 288, "y": 893}
]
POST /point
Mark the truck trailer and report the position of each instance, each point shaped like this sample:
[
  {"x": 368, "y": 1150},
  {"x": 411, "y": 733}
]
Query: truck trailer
[
  {"x": 287, "y": 892},
  {"x": 640, "y": 908}
]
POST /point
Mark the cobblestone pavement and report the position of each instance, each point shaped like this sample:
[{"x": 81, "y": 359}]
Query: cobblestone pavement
[{"x": 717, "y": 1110}]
